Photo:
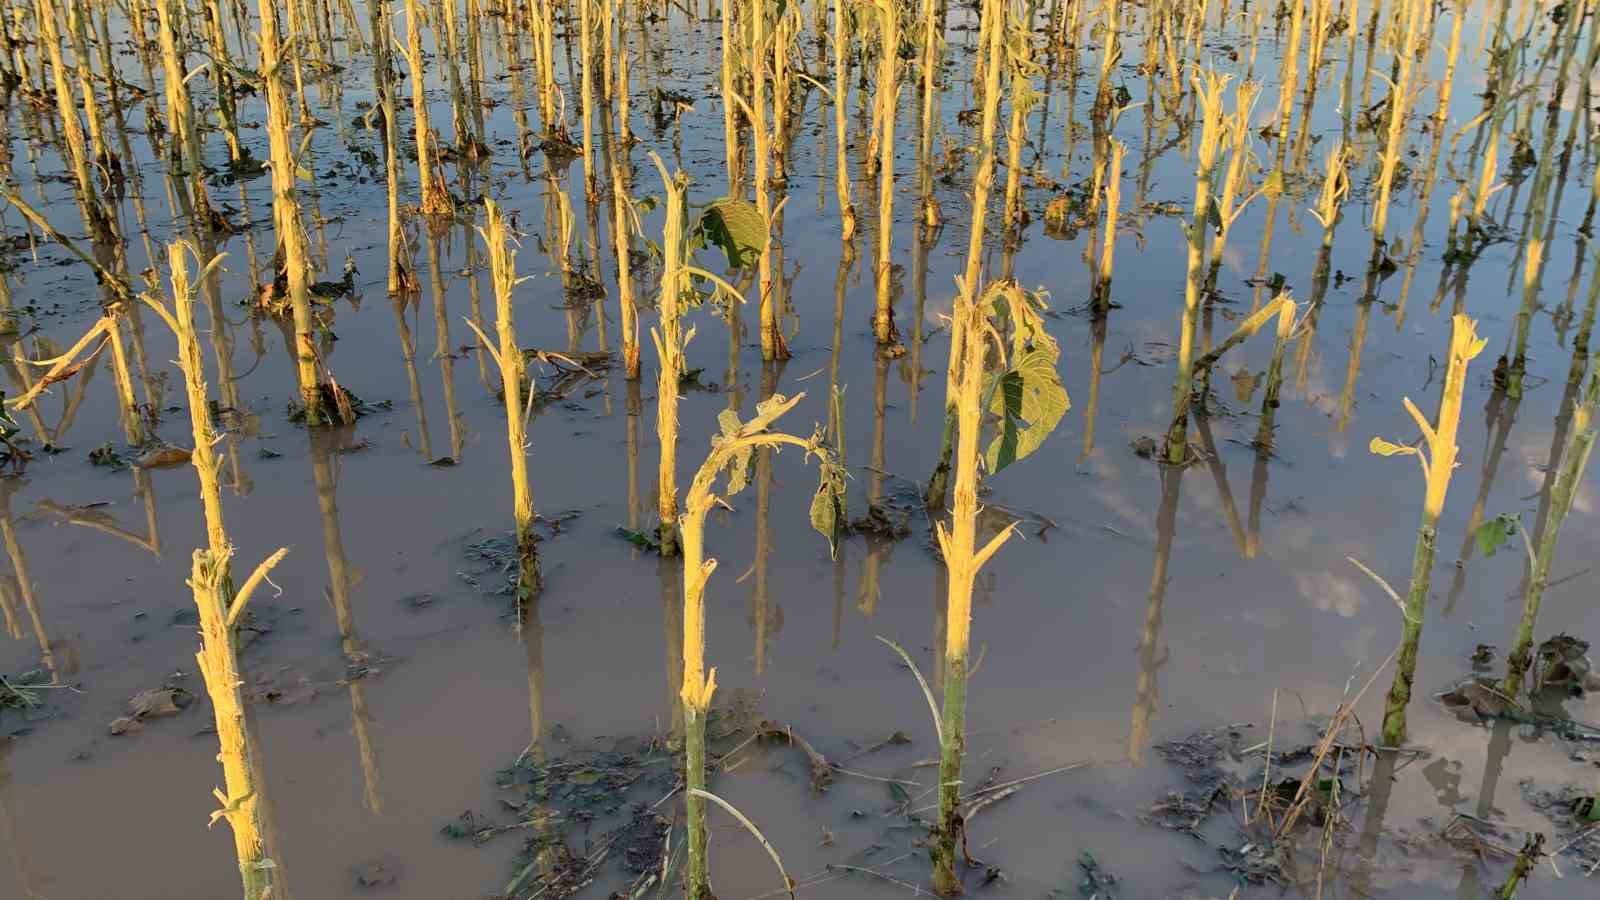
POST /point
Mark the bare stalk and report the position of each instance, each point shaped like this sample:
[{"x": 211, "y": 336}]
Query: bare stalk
[
  {"x": 291, "y": 232},
  {"x": 1437, "y": 462}
]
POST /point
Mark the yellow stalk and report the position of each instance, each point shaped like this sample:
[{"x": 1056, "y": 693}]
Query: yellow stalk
[
  {"x": 963, "y": 558},
  {"x": 435, "y": 200},
  {"x": 932, "y": 41},
  {"x": 227, "y": 115},
  {"x": 95, "y": 217},
  {"x": 967, "y": 287},
  {"x": 1399, "y": 102},
  {"x": 730, "y": 122},
  {"x": 503, "y": 275},
  {"x": 783, "y": 36},
  {"x": 1208, "y": 87},
  {"x": 382, "y": 28},
  {"x": 1111, "y": 52},
  {"x": 1289, "y": 74},
  {"x": 1438, "y": 461},
  {"x": 841, "y": 95},
  {"x": 591, "y": 188},
  {"x": 622, "y": 227},
  {"x": 180, "y": 111},
  {"x": 220, "y": 608},
  {"x": 700, "y": 683},
  {"x": 773, "y": 345},
  {"x": 888, "y": 92},
  {"x": 670, "y": 341},
  {"x": 286, "y": 215},
  {"x": 1021, "y": 67},
  {"x": 1113, "y": 192}
]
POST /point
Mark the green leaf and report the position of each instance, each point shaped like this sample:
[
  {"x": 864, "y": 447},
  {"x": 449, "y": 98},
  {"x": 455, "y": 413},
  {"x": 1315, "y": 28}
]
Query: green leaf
[
  {"x": 1029, "y": 401},
  {"x": 827, "y": 507},
  {"x": 735, "y": 225},
  {"x": 1493, "y": 534},
  {"x": 898, "y": 794}
]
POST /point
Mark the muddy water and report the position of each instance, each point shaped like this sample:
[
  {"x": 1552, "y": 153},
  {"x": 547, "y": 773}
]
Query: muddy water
[{"x": 1143, "y": 606}]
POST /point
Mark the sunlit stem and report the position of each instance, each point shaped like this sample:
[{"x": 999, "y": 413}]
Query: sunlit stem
[
  {"x": 1439, "y": 461},
  {"x": 622, "y": 227},
  {"x": 841, "y": 97},
  {"x": 669, "y": 340},
  {"x": 219, "y": 607},
  {"x": 1399, "y": 103},
  {"x": 967, "y": 286},
  {"x": 513, "y": 377},
  {"x": 699, "y": 683},
  {"x": 1208, "y": 88},
  {"x": 435, "y": 200},
  {"x": 286, "y": 215},
  {"x": 591, "y": 188},
  {"x": 888, "y": 93}
]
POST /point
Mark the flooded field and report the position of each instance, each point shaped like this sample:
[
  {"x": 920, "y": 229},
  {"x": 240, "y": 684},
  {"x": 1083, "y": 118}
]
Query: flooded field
[{"x": 1113, "y": 333}]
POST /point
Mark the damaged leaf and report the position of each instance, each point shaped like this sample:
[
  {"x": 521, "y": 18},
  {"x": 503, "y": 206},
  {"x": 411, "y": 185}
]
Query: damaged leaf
[
  {"x": 1492, "y": 535},
  {"x": 1028, "y": 399},
  {"x": 733, "y": 224},
  {"x": 828, "y": 517}
]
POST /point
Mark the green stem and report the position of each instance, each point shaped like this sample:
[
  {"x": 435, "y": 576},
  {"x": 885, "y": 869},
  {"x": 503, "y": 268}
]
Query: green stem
[
  {"x": 1565, "y": 489},
  {"x": 694, "y": 722},
  {"x": 951, "y": 831},
  {"x": 1394, "y": 713}
]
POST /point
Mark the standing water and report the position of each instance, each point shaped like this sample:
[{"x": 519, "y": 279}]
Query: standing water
[{"x": 1114, "y": 332}]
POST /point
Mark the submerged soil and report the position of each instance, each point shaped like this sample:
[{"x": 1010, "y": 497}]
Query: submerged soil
[{"x": 392, "y": 680}]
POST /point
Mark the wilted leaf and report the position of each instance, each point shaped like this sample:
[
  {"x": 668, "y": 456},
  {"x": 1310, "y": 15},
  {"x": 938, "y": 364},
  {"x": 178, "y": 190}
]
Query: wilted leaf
[
  {"x": 1029, "y": 401},
  {"x": 1385, "y": 448},
  {"x": 162, "y": 701},
  {"x": 736, "y": 226},
  {"x": 163, "y": 457},
  {"x": 1493, "y": 534},
  {"x": 739, "y": 471},
  {"x": 126, "y": 725},
  {"x": 827, "y": 507}
]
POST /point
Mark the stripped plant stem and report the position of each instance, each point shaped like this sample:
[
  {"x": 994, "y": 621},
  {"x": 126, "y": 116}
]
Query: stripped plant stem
[
  {"x": 513, "y": 380},
  {"x": 982, "y": 182},
  {"x": 435, "y": 199},
  {"x": 292, "y": 242},
  {"x": 841, "y": 96},
  {"x": 1208, "y": 87},
  {"x": 220, "y": 607},
  {"x": 731, "y": 451},
  {"x": 670, "y": 341},
  {"x": 1437, "y": 464},
  {"x": 1574, "y": 462},
  {"x": 888, "y": 93},
  {"x": 1029, "y": 388}
]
